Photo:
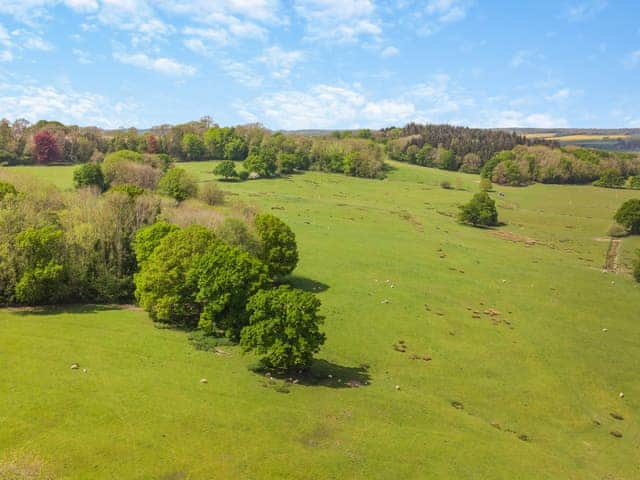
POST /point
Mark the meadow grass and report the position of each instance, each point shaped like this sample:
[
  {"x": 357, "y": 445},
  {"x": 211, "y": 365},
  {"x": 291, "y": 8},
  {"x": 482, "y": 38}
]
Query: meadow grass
[{"x": 526, "y": 393}]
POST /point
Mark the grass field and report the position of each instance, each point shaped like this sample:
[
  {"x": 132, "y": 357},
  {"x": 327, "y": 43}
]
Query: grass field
[
  {"x": 525, "y": 394},
  {"x": 575, "y": 138}
]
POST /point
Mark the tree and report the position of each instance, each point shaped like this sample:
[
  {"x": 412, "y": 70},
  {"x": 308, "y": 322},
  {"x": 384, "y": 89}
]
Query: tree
[
  {"x": 177, "y": 183},
  {"x": 283, "y": 328},
  {"x": 42, "y": 275},
  {"x": 226, "y": 278},
  {"x": 278, "y": 249},
  {"x": 148, "y": 238},
  {"x": 629, "y": 215},
  {"x": 45, "y": 148},
  {"x": 480, "y": 211},
  {"x": 226, "y": 169},
  {"x": 163, "y": 287},
  {"x": 193, "y": 147},
  {"x": 634, "y": 182},
  {"x": 636, "y": 267},
  {"x": 485, "y": 184},
  {"x": 235, "y": 149},
  {"x": 88, "y": 175},
  {"x": 261, "y": 163}
]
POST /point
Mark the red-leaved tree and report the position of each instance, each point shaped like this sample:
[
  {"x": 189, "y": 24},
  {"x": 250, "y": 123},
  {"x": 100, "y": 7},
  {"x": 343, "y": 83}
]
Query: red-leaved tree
[
  {"x": 45, "y": 148},
  {"x": 152, "y": 144}
]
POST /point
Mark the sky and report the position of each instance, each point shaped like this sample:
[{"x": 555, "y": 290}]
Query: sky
[{"x": 325, "y": 64}]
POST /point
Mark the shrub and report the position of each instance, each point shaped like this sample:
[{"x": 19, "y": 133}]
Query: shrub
[
  {"x": 278, "y": 249},
  {"x": 226, "y": 278},
  {"x": 210, "y": 194},
  {"x": 126, "y": 155},
  {"x": 163, "y": 287},
  {"x": 283, "y": 328},
  {"x": 88, "y": 175},
  {"x": 610, "y": 179},
  {"x": 446, "y": 184},
  {"x": 634, "y": 182},
  {"x": 178, "y": 184},
  {"x": 148, "y": 238},
  {"x": 636, "y": 268},
  {"x": 629, "y": 215},
  {"x": 243, "y": 175},
  {"x": 226, "y": 169},
  {"x": 617, "y": 230},
  {"x": 7, "y": 189},
  {"x": 480, "y": 211}
]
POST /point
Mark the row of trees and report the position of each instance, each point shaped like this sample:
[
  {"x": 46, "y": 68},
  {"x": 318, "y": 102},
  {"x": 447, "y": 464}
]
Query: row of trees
[
  {"x": 103, "y": 245},
  {"x": 265, "y": 153}
]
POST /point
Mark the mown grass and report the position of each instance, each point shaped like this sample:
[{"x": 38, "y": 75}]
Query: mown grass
[{"x": 524, "y": 394}]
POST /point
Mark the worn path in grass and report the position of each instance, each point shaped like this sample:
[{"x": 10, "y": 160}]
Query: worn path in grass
[{"x": 530, "y": 346}]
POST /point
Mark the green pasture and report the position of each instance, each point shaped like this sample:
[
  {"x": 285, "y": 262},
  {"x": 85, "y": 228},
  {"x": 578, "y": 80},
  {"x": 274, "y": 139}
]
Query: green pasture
[{"x": 523, "y": 391}]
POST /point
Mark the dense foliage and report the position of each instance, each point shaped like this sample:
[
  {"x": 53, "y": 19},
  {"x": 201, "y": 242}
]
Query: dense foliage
[
  {"x": 178, "y": 184},
  {"x": 226, "y": 169},
  {"x": 480, "y": 211},
  {"x": 89, "y": 175},
  {"x": 636, "y": 267},
  {"x": 283, "y": 328},
  {"x": 629, "y": 215},
  {"x": 278, "y": 249}
]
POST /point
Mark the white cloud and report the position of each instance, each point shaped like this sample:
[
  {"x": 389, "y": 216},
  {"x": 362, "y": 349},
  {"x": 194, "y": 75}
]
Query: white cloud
[
  {"x": 340, "y": 21},
  {"x": 82, "y": 56},
  {"x": 562, "y": 94},
  {"x": 516, "y": 119},
  {"x": 585, "y": 10},
  {"x": 525, "y": 57},
  {"x": 241, "y": 73},
  {"x": 166, "y": 66},
  {"x": 439, "y": 98},
  {"x": 439, "y": 13},
  {"x": 280, "y": 62},
  {"x": 36, "y": 103},
  {"x": 390, "y": 51},
  {"x": 326, "y": 106},
  {"x": 84, "y": 6}
]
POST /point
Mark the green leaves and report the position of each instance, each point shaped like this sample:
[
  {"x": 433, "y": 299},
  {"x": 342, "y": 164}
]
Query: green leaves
[
  {"x": 480, "y": 211},
  {"x": 283, "y": 328},
  {"x": 278, "y": 248}
]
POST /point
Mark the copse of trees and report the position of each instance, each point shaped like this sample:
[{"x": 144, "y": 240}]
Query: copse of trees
[{"x": 89, "y": 175}]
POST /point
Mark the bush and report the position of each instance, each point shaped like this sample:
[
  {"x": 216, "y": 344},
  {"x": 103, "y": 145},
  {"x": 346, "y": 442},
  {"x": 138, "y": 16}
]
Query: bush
[
  {"x": 480, "y": 211},
  {"x": 278, "y": 249},
  {"x": 446, "y": 184},
  {"x": 226, "y": 278},
  {"x": 634, "y": 182},
  {"x": 617, "y": 230},
  {"x": 7, "y": 189},
  {"x": 629, "y": 215},
  {"x": 243, "y": 175},
  {"x": 88, "y": 175},
  {"x": 636, "y": 268},
  {"x": 283, "y": 328},
  {"x": 226, "y": 169},
  {"x": 178, "y": 184},
  {"x": 164, "y": 287},
  {"x": 210, "y": 194},
  {"x": 610, "y": 179}
]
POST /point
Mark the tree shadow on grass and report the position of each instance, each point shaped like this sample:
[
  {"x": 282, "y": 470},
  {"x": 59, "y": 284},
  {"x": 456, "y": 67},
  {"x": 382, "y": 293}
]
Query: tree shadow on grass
[
  {"x": 72, "y": 309},
  {"x": 322, "y": 373},
  {"x": 306, "y": 284}
]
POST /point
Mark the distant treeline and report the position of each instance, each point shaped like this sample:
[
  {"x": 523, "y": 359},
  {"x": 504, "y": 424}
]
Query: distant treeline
[{"x": 264, "y": 153}]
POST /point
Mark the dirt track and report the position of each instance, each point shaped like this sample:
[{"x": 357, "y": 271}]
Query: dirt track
[{"x": 611, "y": 261}]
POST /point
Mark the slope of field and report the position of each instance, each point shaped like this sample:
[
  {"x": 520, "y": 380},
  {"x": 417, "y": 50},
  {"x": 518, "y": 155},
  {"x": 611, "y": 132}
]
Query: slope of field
[{"x": 530, "y": 345}]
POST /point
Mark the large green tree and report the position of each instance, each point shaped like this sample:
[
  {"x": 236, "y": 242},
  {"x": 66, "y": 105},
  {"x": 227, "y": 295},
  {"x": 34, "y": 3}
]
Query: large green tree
[{"x": 283, "y": 328}]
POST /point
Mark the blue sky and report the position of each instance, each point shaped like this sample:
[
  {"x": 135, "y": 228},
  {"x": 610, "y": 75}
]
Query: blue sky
[{"x": 322, "y": 63}]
